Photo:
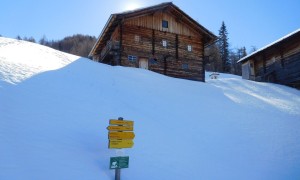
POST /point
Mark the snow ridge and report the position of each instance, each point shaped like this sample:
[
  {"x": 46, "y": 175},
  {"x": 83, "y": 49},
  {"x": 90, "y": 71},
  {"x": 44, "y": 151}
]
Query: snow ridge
[
  {"x": 16, "y": 66},
  {"x": 55, "y": 107}
]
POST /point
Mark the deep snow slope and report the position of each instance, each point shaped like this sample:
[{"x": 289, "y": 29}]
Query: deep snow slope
[{"x": 55, "y": 107}]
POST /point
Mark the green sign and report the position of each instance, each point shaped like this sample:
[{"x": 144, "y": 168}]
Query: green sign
[{"x": 119, "y": 162}]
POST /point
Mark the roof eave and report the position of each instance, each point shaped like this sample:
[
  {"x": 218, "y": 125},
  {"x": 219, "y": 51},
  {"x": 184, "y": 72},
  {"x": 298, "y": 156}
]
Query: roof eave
[
  {"x": 202, "y": 28},
  {"x": 108, "y": 23},
  {"x": 270, "y": 45}
]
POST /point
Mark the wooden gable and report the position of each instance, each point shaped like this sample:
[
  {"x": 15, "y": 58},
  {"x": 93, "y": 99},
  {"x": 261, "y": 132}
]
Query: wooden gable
[
  {"x": 154, "y": 21},
  {"x": 160, "y": 38},
  {"x": 151, "y": 17}
]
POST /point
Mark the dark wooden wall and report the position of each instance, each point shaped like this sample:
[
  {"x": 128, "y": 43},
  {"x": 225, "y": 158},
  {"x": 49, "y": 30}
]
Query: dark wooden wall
[
  {"x": 279, "y": 64},
  {"x": 165, "y": 60}
]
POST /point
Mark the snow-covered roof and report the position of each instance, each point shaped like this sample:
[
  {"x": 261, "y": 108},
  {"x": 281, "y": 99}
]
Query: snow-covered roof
[{"x": 269, "y": 45}]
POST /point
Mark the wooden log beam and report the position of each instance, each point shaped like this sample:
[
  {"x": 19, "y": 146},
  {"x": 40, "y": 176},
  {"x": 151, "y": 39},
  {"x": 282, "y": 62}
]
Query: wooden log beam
[
  {"x": 264, "y": 64},
  {"x": 121, "y": 42},
  {"x": 203, "y": 62},
  {"x": 176, "y": 46},
  {"x": 153, "y": 42}
]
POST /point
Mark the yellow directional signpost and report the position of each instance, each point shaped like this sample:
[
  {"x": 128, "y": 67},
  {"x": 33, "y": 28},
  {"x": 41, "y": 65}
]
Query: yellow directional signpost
[
  {"x": 121, "y": 122},
  {"x": 120, "y": 143},
  {"x": 120, "y": 128},
  {"x": 120, "y": 136}
]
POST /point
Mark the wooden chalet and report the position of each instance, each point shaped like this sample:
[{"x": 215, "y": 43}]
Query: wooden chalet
[
  {"x": 278, "y": 62},
  {"x": 161, "y": 38}
]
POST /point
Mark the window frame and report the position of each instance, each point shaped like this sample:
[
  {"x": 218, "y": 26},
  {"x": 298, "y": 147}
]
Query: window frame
[
  {"x": 165, "y": 24},
  {"x": 132, "y": 58},
  {"x": 137, "y": 38},
  {"x": 185, "y": 66},
  {"x": 164, "y": 43},
  {"x": 189, "y": 48}
]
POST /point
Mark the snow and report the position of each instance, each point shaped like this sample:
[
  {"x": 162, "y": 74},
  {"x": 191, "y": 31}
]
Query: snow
[
  {"x": 55, "y": 107},
  {"x": 17, "y": 66}
]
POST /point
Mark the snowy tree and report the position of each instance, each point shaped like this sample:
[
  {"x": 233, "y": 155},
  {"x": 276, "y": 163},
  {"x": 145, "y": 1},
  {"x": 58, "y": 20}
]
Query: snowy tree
[
  {"x": 31, "y": 39},
  {"x": 18, "y": 37},
  {"x": 253, "y": 49},
  {"x": 43, "y": 40},
  {"x": 223, "y": 48},
  {"x": 234, "y": 57}
]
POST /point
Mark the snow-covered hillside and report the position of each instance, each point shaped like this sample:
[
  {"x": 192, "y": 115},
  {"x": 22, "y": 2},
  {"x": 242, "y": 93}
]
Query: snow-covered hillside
[{"x": 55, "y": 107}]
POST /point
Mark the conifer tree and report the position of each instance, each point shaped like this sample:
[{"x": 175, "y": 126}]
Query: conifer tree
[
  {"x": 223, "y": 47},
  {"x": 18, "y": 37},
  {"x": 43, "y": 40}
]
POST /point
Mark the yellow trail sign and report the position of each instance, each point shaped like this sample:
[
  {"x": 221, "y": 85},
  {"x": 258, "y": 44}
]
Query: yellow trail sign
[
  {"x": 116, "y": 144},
  {"x": 121, "y": 122},
  {"x": 120, "y": 128},
  {"x": 121, "y": 135}
]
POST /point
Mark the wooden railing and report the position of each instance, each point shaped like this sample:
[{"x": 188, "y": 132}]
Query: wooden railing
[{"x": 110, "y": 45}]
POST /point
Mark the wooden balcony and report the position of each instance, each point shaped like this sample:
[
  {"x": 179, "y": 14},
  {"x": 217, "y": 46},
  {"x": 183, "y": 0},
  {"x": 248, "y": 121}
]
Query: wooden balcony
[{"x": 111, "y": 46}]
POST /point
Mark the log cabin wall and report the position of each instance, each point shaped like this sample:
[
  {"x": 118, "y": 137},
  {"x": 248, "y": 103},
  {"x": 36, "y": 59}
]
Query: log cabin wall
[
  {"x": 279, "y": 63},
  {"x": 175, "y": 49},
  {"x": 173, "y": 60}
]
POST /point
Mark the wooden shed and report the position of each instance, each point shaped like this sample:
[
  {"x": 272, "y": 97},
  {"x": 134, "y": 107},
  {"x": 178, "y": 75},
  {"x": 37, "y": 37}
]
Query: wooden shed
[
  {"x": 161, "y": 38},
  {"x": 278, "y": 62}
]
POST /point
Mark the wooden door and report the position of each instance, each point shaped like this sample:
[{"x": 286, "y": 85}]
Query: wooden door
[
  {"x": 143, "y": 63},
  {"x": 246, "y": 70}
]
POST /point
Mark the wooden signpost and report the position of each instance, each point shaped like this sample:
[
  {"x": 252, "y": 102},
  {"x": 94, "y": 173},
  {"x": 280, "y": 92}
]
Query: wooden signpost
[
  {"x": 121, "y": 122},
  {"x": 120, "y": 128},
  {"x": 120, "y": 136},
  {"x": 120, "y": 143}
]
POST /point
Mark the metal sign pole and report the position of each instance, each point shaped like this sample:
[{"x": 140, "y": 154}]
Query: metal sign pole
[
  {"x": 117, "y": 174},
  {"x": 118, "y": 171}
]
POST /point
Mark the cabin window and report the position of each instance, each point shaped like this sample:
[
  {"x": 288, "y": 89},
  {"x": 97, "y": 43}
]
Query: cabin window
[
  {"x": 164, "y": 43},
  {"x": 132, "y": 58},
  {"x": 137, "y": 38},
  {"x": 153, "y": 61},
  {"x": 185, "y": 66},
  {"x": 273, "y": 59},
  {"x": 189, "y": 48},
  {"x": 165, "y": 24}
]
